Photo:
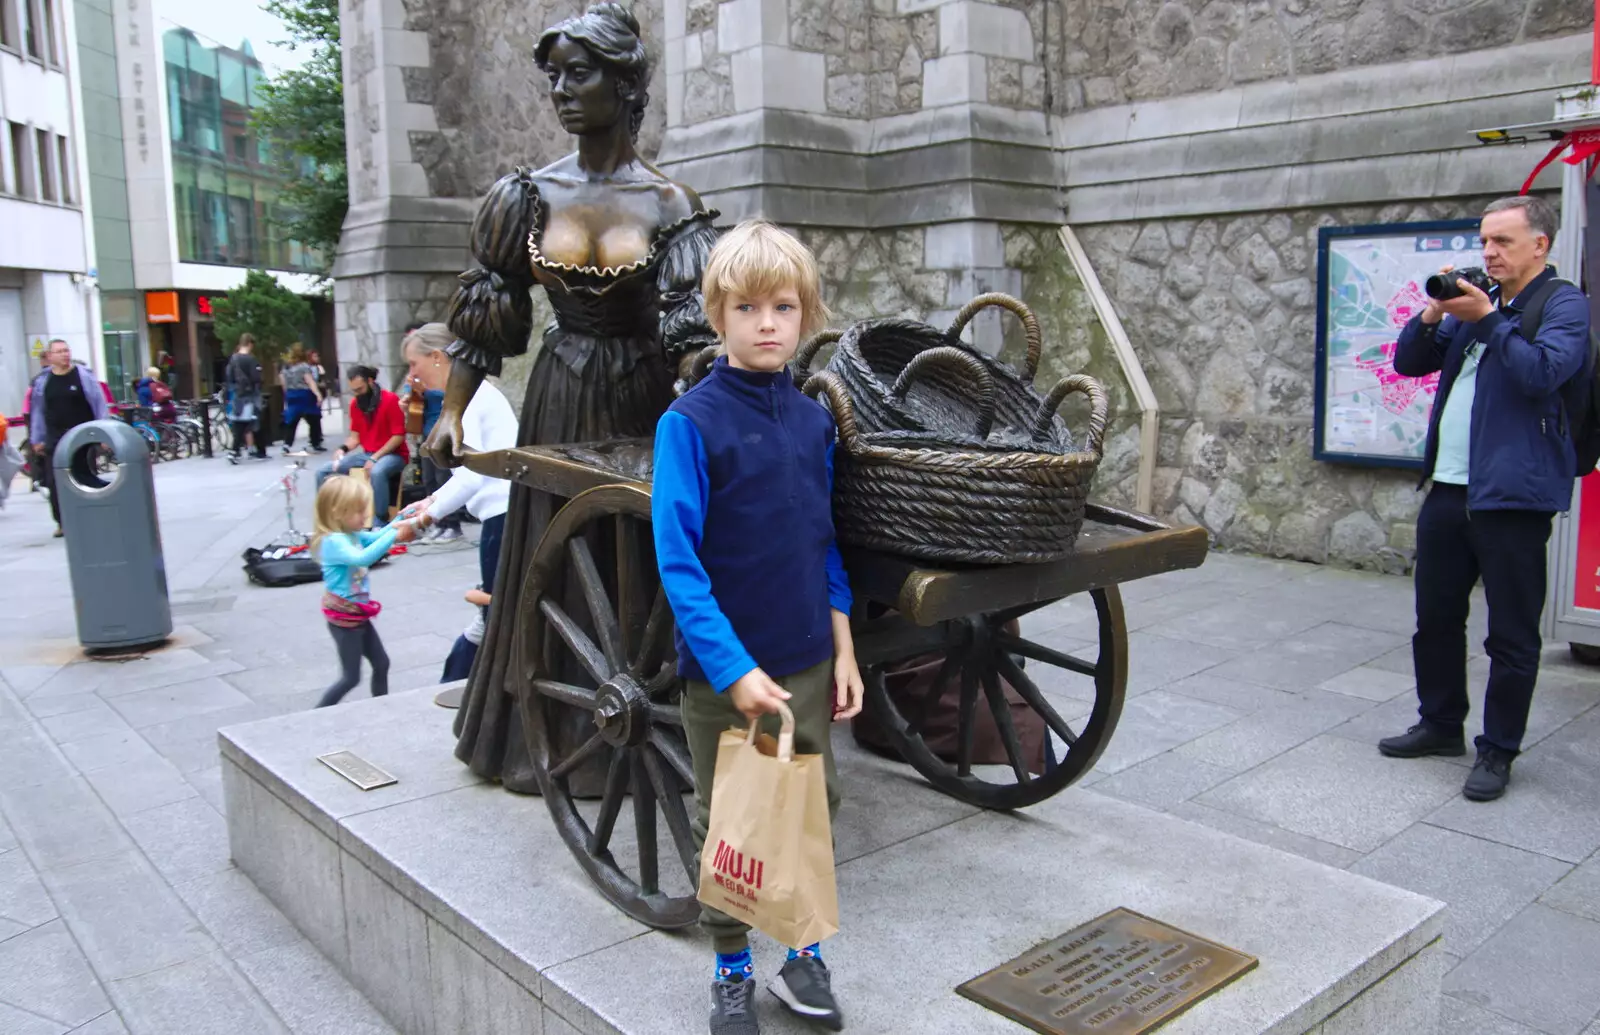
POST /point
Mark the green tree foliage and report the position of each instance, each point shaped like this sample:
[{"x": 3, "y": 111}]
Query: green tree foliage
[
  {"x": 264, "y": 308},
  {"x": 302, "y": 113}
]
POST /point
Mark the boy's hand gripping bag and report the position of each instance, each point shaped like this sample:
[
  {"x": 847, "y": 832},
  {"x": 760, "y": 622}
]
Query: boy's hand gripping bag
[{"x": 768, "y": 856}]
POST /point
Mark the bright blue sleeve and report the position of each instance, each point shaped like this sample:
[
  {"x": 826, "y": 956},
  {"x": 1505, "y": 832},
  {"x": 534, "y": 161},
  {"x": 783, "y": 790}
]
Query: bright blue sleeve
[
  {"x": 338, "y": 549},
  {"x": 678, "y": 500},
  {"x": 839, "y": 596}
]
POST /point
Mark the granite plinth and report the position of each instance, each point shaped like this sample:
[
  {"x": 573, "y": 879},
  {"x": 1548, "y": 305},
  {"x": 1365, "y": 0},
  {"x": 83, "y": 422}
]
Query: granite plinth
[{"x": 455, "y": 908}]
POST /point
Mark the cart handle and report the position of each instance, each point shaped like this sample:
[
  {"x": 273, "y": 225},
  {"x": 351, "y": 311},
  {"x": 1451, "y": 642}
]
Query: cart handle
[
  {"x": 1098, "y": 406},
  {"x": 785, "y": 733},
  {"x": 808, "y": 351},
  {"x": 1030, "y": 324},
  {"x": 947, "y": 355}
]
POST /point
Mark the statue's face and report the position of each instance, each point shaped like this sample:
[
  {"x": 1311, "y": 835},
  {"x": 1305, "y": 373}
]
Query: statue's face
[{"x": 584, "y": 90}]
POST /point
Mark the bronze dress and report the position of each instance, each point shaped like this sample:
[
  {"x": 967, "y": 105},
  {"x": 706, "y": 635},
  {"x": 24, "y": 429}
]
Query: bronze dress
[{"x": 605, "y": 370}]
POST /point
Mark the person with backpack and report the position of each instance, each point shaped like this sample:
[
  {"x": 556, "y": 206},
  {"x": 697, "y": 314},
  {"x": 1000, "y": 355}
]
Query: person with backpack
[
  {"x": 155, "y": 396},
  {"x": 1513, "y": 424}
]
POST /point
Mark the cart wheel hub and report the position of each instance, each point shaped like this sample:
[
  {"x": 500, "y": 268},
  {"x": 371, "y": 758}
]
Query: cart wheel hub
[{"x": 622, "y": 711}]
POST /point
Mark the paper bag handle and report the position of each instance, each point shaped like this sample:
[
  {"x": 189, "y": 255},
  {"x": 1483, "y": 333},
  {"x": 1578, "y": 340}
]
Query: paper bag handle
[{"x": 785, "y": 733}]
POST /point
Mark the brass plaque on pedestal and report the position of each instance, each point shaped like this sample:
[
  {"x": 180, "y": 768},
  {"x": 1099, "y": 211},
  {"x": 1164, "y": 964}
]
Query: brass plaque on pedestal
[
  {"x": 357, "y": 770},
  {"x": 1119, "y": 974}
]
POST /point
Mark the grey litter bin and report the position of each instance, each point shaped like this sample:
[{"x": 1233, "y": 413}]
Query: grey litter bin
[{"x": 119, "y": 580}]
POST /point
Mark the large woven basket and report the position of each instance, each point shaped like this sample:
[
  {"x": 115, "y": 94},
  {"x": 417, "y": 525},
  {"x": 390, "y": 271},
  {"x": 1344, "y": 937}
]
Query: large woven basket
[
  {"x": 963, "y": 498},
  {"x": 871, "y": 355}
]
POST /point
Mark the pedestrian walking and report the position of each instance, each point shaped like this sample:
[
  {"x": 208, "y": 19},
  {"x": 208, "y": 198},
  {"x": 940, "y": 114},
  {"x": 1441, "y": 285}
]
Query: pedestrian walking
[
  {"x": 346, "y": 549},
  {"x": 243, "y": 378},
  {"x": 1515, "y": 369},
  {"x": 63, "y": 396},
  {"x": 302, "y": 400}
]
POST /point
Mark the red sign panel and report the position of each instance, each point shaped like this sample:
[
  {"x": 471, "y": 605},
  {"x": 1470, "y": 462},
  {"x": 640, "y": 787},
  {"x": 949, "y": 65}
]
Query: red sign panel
[
  {"x": 1586, "y": 583},
  {"x": 203, "y": 303}
]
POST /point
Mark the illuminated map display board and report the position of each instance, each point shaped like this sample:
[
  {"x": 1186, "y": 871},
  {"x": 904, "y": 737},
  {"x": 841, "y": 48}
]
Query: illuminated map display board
[{"x": 1369, "y": 283}]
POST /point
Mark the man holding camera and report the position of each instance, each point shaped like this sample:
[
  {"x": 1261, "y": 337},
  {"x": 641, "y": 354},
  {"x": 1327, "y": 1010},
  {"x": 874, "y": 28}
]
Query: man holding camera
[{"x": 1501, "y": 458}]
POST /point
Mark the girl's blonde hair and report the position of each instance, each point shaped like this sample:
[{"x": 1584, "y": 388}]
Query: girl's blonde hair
[
  {"x": 153, "y": 373},
  {"x": 756, "y": 260},
  {"x": 338, "y": 498},
  {"x": 428, "y": 339}
]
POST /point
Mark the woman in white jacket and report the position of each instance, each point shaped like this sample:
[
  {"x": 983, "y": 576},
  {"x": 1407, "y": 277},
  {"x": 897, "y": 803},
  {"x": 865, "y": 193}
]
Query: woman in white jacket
[{"x": 488, "y": 424}]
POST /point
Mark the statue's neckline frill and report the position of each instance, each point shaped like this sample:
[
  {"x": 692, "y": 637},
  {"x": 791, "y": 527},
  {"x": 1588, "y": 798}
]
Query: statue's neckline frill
[{"x": 660, "y": 240}]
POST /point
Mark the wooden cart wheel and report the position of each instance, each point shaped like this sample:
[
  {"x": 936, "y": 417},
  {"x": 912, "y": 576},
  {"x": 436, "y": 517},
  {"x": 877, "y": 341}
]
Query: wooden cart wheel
[
  {"x": 983, "y": 653},
  {"x": 606, "y": 669}
]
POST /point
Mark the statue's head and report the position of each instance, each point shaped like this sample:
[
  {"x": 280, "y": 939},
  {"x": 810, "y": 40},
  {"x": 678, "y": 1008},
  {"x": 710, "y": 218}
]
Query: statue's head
[{"x": 599, "y": 69}]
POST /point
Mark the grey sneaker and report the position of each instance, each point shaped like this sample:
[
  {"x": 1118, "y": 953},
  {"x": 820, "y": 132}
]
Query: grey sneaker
[
  {"x": 732, "y": 1011},
  {"x": 806, "y": 988},
  {"x": 446, "y": 535}
]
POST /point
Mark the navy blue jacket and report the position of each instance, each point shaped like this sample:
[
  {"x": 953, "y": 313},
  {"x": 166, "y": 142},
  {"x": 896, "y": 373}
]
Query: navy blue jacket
[
  {"x": 1521, "y": 455},
  {"x": 742, "y": 515}
]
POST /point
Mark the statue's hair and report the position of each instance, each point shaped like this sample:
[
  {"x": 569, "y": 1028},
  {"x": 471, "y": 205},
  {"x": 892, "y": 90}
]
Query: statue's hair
[
  {"x": 757, "y": 260},
  {"x": 611, "y": 33}
]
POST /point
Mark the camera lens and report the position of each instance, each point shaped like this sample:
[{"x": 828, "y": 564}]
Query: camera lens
[{"x": 1441, "y": 286}]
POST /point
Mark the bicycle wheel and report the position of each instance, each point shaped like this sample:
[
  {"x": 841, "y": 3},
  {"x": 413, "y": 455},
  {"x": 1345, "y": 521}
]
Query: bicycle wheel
[{"x": 170, "y": 443}]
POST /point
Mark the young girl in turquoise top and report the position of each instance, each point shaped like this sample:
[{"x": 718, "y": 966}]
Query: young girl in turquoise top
[{"x": 346, "y": 549}]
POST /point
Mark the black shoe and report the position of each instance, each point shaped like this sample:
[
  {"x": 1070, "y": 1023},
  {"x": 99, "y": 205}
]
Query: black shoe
[
  {"x": 733, "y": 1010},
  {"x": 805, "y": 988},
  {"x": 1489, "y": 776},
  {"x": 1420, "y": 740}
]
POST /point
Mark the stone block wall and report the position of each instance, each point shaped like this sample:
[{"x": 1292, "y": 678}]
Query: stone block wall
[{"x": 1133, "y": 50}]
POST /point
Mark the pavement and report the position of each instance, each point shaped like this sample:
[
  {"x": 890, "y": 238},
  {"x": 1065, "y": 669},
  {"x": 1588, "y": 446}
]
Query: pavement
[{"x": 1257, "y": 691}]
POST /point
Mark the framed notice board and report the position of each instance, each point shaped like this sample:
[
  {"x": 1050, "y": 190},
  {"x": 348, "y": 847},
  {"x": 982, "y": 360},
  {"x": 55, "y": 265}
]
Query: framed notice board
[{"x": 1369, "y": 283}]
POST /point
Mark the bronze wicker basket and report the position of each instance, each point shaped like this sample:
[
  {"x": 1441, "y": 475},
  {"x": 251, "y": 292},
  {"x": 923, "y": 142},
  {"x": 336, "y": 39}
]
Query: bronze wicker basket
[{"x": 960, "y": 498}]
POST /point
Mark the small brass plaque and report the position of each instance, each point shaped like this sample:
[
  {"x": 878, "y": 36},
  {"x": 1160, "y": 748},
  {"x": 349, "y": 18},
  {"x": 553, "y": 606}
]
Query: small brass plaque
[
  {"x": 357, "y": 770},
  {"x": 1119, "y": 974}
]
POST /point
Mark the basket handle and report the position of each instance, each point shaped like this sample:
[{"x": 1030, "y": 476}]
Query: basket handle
[
  {"x": 1030, "y": 323},
  {"x": 947, "y": 356},
  {"x": 808, "y": 351},
  {"x": 844, "y": 411},
  {"x": 701, "y": 366},
  {"x": 1097, "y": 409}
]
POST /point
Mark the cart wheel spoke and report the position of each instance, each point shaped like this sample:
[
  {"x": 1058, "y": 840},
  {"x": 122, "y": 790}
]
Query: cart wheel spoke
[
  {"x": 644, "y": 825},
  {"x": 657, "y": 633},
  {"x": 668, "y": 714},
  {"x": 578, "y": 757},
  {"x": 1048, "y": 655},
  {"x": 670, "y": 798},
  {"x": 1025, "y": 686},
  {"x": 1000, "y": 708},
  {"x": 677, "y": 756},
  {"x": 1011, "y": 614},
  {"x": 566, "y": 693},
  {"x": 610, "y": 803},
  {"x": 594, "y": 592},
  {"x": 576, "y": 639},
  {"x": 968, "y": 728}
]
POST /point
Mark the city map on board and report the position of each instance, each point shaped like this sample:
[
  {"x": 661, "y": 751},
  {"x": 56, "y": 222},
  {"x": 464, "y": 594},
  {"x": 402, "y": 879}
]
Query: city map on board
[{"x": 1372, "y": 281}]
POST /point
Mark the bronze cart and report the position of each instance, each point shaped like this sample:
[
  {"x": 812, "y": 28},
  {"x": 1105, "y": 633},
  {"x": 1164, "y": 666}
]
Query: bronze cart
[{"x": 602, "y": 644}]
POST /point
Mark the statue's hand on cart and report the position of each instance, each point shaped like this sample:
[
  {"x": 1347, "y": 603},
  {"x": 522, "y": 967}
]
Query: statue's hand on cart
[{"x": 447, "y": 444}]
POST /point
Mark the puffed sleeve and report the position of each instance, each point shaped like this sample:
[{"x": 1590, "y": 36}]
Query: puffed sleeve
[
  {"x": 491, "y": 314},
  {"x": 684, "y": 328}
]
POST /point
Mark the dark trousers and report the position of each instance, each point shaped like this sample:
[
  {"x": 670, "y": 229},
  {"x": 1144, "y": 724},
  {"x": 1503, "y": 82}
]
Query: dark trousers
[
  {"x": 47, "y": 470},
  {"x": 489, "y": 551},
  {"x": 1454, "y": 548},
  {"x": 433, "y": 478},
  {"x": 353, "y": 644},
  {"x": 458, "y": 665},
  {"x": 313, "y": 421}
]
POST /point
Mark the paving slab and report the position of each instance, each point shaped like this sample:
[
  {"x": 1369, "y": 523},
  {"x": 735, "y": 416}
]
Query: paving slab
[
  {"x": 42, "y": 972},
  {"x": 1253, "y": 739},
  {"x": 1552, "y": 805},
  {"x": 23, "y": 899},
  {"x": 108, "y": 750},
  {"x": 83, "y": 724},
  {"x": 1485, "y": 883},
  {"x": 1244, "y": 698},
  {"x": 1578, "y": 892},
  {"x": 205, "y": 995},
  {"x": 1370, "y": 684},
  {"x": 185, "y": 840},
  {"x": 309, "y": 995},
  {"x": 1156, "y": 722},
  {"x": 236, "y": 914},
  {"x": 1155, "y": 660},
  {"x": 1163, "y": 781},
  {"x": 20, "y": 1022},
  {"x": 177, "y": 701},
  {"x": 1539, "y": 970},
  {"x": 133, "y": 787},
  {"x": 1339, "y": 791},
  {"x": 1459, "y": 1017},
  {"x": 107, "y": 1023}
]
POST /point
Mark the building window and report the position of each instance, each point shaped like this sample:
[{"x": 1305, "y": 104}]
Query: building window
[
  {"x": 8, "y": 27},
  {"x": 47, "y": 180},
  {"x": 30, "y": 27},
  {"x": 69, "y": 178},
  {"x": 21, "y": 161},
  {"x": 52, "y": 52}
]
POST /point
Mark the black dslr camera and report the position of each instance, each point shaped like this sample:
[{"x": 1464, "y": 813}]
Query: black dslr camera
[{"x": 1442, "y": 286}]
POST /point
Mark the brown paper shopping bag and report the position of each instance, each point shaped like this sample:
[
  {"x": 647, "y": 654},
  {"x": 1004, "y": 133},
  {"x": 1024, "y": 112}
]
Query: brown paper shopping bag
[{"x": 768, "y": 856}]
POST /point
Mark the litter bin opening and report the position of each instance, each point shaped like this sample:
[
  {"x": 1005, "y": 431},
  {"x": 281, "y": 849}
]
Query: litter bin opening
[{"x": 92, "y": 467}]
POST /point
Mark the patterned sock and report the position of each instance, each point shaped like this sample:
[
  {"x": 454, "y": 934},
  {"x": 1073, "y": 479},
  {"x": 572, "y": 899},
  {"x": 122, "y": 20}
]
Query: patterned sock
[
  {"x": 810, "y": 950},
  {"x": 735, "y": 966}
]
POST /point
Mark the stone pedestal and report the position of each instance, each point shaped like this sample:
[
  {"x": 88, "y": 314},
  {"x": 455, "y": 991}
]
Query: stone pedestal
[{"x": 455, "y": 908}]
